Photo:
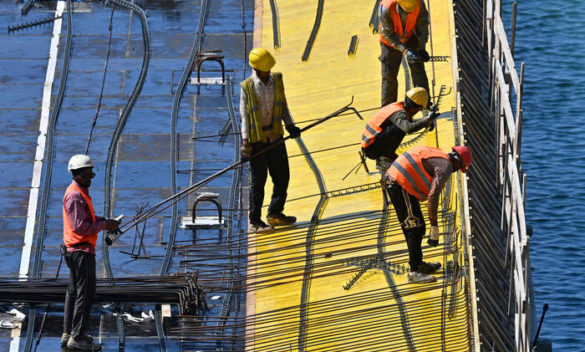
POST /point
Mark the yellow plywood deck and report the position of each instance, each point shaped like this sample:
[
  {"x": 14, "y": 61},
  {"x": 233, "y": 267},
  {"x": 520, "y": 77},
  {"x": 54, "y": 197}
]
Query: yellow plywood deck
[{"x": 296, "y": 298}]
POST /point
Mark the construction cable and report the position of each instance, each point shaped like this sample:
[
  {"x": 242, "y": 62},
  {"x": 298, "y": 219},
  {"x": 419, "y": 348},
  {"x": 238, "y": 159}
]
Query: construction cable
[
  {"x": 314, "y": 31},
  {"x": 113, "y": 148},
  {"x": 121, "y": 122},
  {"x": 99, "y": 103},
  {"x": 50, "y": 155},
  {"x": 275, "y": 25}
]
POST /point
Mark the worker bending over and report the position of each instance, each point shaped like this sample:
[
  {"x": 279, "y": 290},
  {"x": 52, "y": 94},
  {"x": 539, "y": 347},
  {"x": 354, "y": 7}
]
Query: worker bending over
[
  {"x": 404, "y": 31},
  {"x": 263, "y": 108},
  {"x": 387, "y": 128},
  {"x": 419, "y": 174},
  {"x": 80, "y": 229}
]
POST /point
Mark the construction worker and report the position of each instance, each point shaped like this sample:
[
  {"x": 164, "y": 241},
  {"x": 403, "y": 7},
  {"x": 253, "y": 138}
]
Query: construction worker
[
  {"x": 387, "y": 128},
  {"x": 263, "y": 109},
  {"x": 417, "y": 175},
  {"x": 403, "y": 32},
  {"x": 80, "y": 229}
]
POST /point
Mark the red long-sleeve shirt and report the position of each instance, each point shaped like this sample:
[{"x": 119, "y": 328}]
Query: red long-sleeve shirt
[{"x": 80, "y": 218}]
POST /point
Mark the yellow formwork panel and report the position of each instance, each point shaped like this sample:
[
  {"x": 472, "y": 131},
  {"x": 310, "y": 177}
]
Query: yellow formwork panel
[{"x": 298, "y": 295}]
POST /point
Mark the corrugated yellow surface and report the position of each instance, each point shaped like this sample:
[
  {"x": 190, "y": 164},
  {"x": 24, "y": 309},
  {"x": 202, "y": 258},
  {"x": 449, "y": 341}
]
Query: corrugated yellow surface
[{"x": 297, "y": 299}]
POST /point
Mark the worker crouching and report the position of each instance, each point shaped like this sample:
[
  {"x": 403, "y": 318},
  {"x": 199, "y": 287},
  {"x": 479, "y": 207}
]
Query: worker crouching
[
  {"x": 387, "y": 128},
  {"x": 263, "y": 109},
  {"x": 417, "y": 175}
]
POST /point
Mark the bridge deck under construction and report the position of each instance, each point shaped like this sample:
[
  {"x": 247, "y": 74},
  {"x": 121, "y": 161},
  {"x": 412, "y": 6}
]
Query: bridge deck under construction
[
  {"x": 130, "y": 84},
  {"x": 336, "y": 280}
]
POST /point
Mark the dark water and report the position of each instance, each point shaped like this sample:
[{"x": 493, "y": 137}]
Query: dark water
[{"x": 549, "y": 39}]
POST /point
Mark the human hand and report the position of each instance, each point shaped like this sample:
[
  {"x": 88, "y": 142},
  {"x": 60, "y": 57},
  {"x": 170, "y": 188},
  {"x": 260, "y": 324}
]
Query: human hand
[
  {"x": 411, "y": 56},
  {"x": 246, "y": 150},
  {"x": 433, "y": 240},
  {"x": 423, "y": 55},
  {"x": 112, "y": 225},
  {"x": 294, "y": 131}
]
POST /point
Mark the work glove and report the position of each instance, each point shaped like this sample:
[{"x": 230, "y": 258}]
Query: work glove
[
  {"x": 423, "y": 55},
  {"x": 246, "y": 151},
  {"x": 294, "y": 131},
  {"x": 411, "y": 56},
  {"x": 433, "y": 115},
  {"x": 433, "y": 240}
]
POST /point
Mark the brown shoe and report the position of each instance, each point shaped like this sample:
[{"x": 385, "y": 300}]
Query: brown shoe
[{"x": 280, "y": 219}]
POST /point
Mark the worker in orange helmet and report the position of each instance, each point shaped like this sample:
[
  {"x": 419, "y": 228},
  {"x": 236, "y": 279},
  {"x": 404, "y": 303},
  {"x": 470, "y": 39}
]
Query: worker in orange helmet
[
  {"x": 404, "y": 31},
  {"x": 417, "y": 175},
  {"x": 263, "y": 109}
]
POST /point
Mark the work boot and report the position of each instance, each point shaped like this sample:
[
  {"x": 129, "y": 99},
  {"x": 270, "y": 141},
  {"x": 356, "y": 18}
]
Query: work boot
[
  {"x": 280, "y": 219},
  {"x": 383, "y": 164},
  {"x": 83, "y": 343},
  {"x": 64, "y": 339},
  {"x": 418, "y": 277},
  {"x": 260, "y": 227},
  {"x": 429, "y": 268}
]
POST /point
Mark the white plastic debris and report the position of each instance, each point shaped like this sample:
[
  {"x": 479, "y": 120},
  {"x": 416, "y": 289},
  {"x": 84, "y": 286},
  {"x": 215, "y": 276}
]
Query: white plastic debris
[
  {"x": 7, "y": 324},
  {"x": 18, "y": 315},
  {"x": 148, "y": 316}
]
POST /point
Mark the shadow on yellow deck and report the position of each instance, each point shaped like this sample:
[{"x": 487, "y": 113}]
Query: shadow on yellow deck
[{"x": 299, "y": 295}]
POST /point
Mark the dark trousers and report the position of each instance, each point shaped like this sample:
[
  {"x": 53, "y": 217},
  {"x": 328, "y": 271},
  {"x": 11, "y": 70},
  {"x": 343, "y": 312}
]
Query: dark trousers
[
  {"x": 275, "y": 162},
  {"x": 386, "y": 143},
  {"x": 411, "y": 219},
  {"x": 391, "y": 60},
  {"x": 80, "y": 293}
]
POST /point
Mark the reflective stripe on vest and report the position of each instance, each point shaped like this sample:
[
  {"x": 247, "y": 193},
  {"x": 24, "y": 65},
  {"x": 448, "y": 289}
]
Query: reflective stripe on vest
[
  {"x": 373, "y": 128},
  {"x": 408, "y": 170},
  {"x": 70, "y": 237},
  {"x": 254, "y": 122},
  {"x": 408, "y": 30}
]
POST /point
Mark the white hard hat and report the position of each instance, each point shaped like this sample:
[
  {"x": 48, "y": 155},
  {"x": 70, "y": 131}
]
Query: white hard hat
[{"x": 79, "y": 161}]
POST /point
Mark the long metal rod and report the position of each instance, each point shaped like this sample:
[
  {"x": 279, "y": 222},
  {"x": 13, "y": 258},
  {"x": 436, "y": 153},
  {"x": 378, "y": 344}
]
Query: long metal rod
[{"x": 112, "y": 237}]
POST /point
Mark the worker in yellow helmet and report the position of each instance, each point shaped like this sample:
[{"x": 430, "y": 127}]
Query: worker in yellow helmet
[
  {"x": 263, "y": 109},
  {"x": 404, "y": 31},
  {"x": 387, "y": 128}
]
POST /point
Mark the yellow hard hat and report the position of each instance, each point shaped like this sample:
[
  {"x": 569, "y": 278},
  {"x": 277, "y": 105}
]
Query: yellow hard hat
[
  {"x": 408, "y": 5},
  {"x": 419, "y": 96},
  {"x": 261, "y": 59}
]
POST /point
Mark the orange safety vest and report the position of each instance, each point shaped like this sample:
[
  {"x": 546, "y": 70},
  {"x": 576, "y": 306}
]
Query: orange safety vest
[
  {"x": 70, "y": 237},
  {"x": 373, "y": 128},
  {"x": 404, "y": 32},
  {"x": 408, "y": 170}
]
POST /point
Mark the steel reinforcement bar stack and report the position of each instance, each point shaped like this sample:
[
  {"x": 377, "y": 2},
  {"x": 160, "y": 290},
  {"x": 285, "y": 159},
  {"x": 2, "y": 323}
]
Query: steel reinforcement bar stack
[{"x": 488, "y": 86}]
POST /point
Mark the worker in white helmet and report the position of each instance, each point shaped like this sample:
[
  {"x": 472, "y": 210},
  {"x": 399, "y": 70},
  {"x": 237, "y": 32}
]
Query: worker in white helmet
[
  {"x": 263, "y": 109},
  {"x": 80, "y": 229},
  {"x": 404, "y": 31}
]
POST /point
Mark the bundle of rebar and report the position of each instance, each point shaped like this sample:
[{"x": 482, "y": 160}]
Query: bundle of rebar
[{"x": 181, "y": 290}]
